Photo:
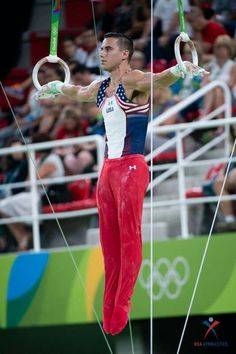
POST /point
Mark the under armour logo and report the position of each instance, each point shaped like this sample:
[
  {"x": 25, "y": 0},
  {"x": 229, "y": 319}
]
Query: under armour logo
[{"x": 132, "y": 167}]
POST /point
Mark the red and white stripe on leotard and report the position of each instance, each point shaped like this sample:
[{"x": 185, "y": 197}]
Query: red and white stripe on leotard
[{"x": 130, "y": 107}]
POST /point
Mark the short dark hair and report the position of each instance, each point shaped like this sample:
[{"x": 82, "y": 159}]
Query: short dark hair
[
  {"x": 124, "y": 42},
  {"x": 41, "y": 138},
  {"x": 79, "y": 68}
]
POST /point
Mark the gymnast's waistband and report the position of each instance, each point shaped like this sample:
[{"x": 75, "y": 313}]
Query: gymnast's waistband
[{"x": 125, "y": 158}]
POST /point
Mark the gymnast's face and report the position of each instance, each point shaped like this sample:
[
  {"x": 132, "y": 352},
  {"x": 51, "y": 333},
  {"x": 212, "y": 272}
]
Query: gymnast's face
[{"x": 111, "y": 55}]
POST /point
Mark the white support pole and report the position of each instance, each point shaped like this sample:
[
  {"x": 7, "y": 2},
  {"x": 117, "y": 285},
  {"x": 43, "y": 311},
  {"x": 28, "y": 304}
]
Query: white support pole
[
  {"x": 181, "y": 185},
  {"x": 34, "y": 203}
]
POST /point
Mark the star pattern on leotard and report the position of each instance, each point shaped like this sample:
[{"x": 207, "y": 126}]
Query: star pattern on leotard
[
  {"x": 102, "y": 92},
  {"x": 121, "y": 93}
]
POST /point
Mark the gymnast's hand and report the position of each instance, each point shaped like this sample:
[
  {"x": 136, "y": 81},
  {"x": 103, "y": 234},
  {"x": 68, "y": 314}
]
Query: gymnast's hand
[
  {"x": 194, "y": 70},
  {"x": 49, "y": 90}
]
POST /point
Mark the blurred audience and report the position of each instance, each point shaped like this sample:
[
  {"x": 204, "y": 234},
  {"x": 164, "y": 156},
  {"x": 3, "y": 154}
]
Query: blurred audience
[
  {"x": 88, "y": 50},
  {"x": 123, "y": 16},
  {"x": 227, "y": 207},
  {"x": 166, "y": 16},
  {"x": 78, "y": 158},
  {"x": 222, "y": 67},
  {"x": 162, "y": 100},
  {"x": 35, "y": 115},
  {"x": 140, "y": 14},
  {"x": 204, "y": 31},
  {"x": 137, "y": 61},
  {"x": 14, "y": 168},
  {"x": 70, "y": 124},
  {"x": 226, "y": 14},
  {"x": 49, "y": 165},
  {"x": 81, "y": 75},
  {"x": 104, "y": 20},
  {"x": 70, "y": 50}
]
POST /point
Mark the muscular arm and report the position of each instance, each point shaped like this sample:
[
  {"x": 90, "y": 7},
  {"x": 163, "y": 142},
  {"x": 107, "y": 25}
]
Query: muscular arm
[
  {"x": 164, "y": 79},
  {"x": 46, "y": 170},
  {"x": 76, "y": 92},
  {"x": 142, "y": 81},
  {"x": 82, "y": 93}
]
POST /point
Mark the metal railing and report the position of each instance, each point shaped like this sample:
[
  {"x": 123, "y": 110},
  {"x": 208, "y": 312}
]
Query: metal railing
[
  {"x": 226, "y": 107},
  {"x": 184, "y": 162},
  {"x": 182, "y": 131},
  {"x": 33, "y": 183}
]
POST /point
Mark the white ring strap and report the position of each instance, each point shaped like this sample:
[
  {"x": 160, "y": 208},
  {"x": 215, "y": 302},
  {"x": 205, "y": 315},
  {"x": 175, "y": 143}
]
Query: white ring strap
[{"x": 183, "y": 37}]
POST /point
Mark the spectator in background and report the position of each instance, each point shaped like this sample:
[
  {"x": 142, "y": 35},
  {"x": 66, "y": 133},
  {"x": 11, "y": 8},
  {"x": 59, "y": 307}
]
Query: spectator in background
[
  {"x": 123, "y": 17},
  {"x": 204, "y": 31},
  {"x": 86, "y": 160},
  {"x": 71, "y": 125},
  {"x": 81, "y": 75},
  {"x": 82, "y": 49},
  {"x": 28, "y": 115},
  {"x": 49, "y": 165},
  {"x": 88, "y": 50},
  {"x": 162, "y": 100},
  {"x": 35, "y": 115},
  {"x": 77, "y": 158},
  {"x": 80, "y": 159},
  {"x": 138, "y": 60},
  {"x": 227, "y": 207},
  {"x": 70, "y": 50},
  {"x": 166, "y": 14},
  {"x": 222, "y": 67},
  {"x": 226, "y": 14},
  {"x": 14, "y": 169},
  {"x": 104, "y": 20},
  {"x": 95, "y": 119},
  {"x": 206, "y": 6},
  {"x": 140, "y": 14}
]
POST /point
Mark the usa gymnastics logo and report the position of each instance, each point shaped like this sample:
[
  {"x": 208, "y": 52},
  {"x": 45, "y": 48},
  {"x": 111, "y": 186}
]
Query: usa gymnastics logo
[
  {"x": 211, "y": 324},
  {"x": 211, "y": 331}
]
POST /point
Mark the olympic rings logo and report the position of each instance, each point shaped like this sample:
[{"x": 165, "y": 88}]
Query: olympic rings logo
[{"x": 168, "y": 277}]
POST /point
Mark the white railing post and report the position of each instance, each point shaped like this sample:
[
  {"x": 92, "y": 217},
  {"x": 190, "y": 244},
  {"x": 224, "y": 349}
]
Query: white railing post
[
  {"x": 181, "y": 185},
  {"x": 100, "y": 151},
  {"x": 228, "y": 113},
  {"x": 34, "y": 202}
]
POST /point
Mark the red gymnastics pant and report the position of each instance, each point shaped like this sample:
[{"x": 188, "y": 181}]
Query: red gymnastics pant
[{"x": 120, "y": 193}]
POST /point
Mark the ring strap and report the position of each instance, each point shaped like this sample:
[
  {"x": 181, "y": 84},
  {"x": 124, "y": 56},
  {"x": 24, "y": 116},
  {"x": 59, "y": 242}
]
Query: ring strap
[
  {"x": 181, "y": 16},
  {"x": 54, "y": 27}
]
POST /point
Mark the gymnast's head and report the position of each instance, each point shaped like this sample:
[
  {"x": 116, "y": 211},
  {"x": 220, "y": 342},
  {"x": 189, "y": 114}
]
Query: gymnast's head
[{"x": 116, "y": 49}]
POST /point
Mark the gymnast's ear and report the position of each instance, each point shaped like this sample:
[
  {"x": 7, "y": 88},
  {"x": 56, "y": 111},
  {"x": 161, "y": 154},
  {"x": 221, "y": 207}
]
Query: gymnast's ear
[{"x": 125, "y": 54}]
